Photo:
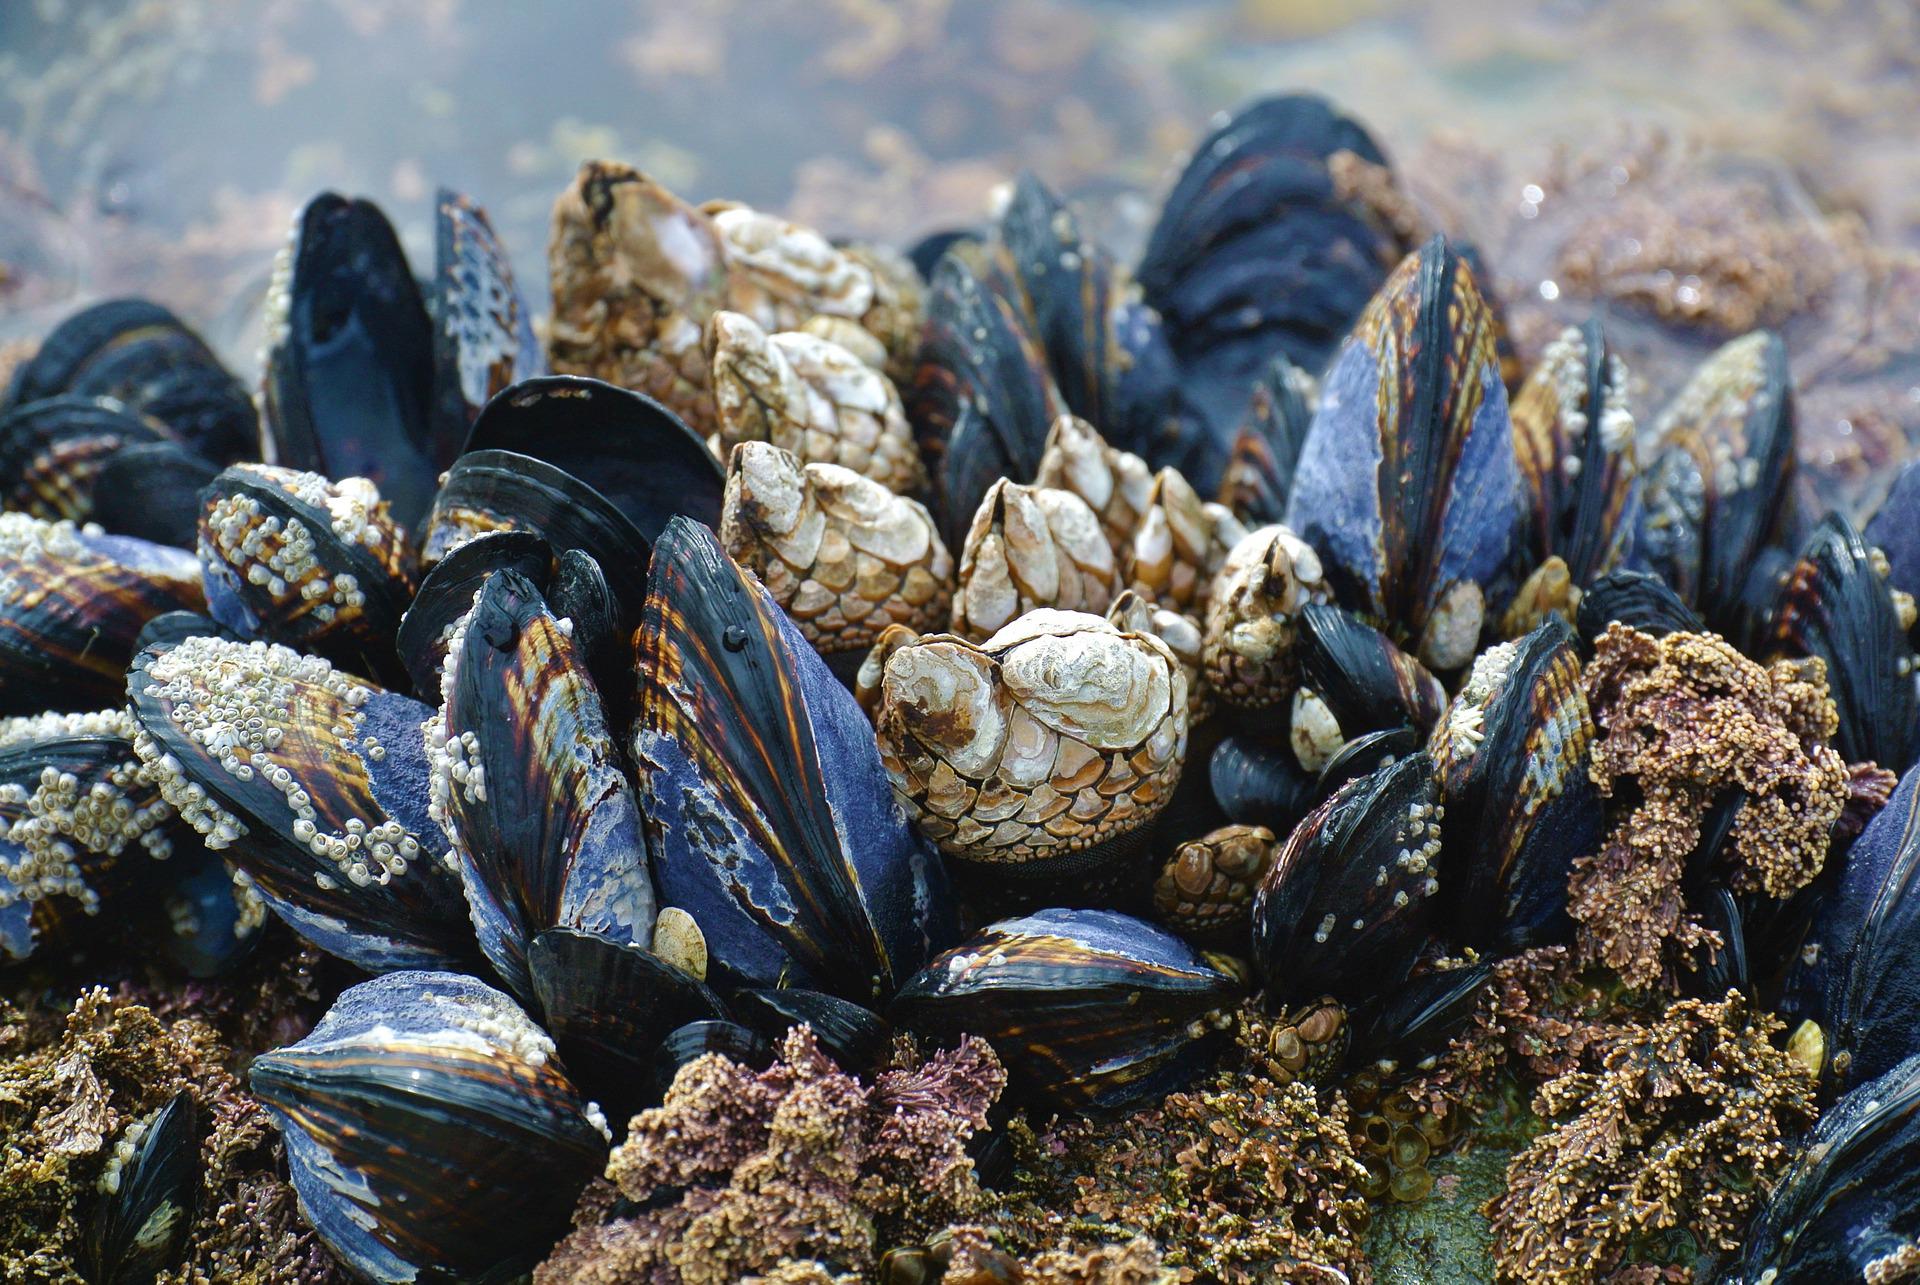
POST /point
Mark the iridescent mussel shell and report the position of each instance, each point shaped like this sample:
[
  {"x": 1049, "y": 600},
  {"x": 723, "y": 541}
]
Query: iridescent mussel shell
[
  {"x": 1354, "y": 681},
  {"x": 1038, "y": 750},
  {"x": 1206, "y": 888},
  {"x": 292, "y": 558},
  {"x": 52, "y": 451},
  {"x": 483, "y": 340},
  {"x": 840, "y": 553},
  {"x": 855, "y": 1037},
  {"x": 1030, "y": 547},
  {"x": 1408, "y": 483},
  {"x": 150, "y": 1192},
  {"x": 1117, "y": 485},
  {"x": 313, "y": 783},
  {"x": 528, "y": 784},
  {"x": 430, "y": 1132},
  {"x": 72, "y": 602},
  {"x": 1087, "y": 1008},
  {"x": 1250, "y": 632},
  {"x": 769, "y": 816},
  {"x": 1180, "y": 545},
  {"x": 1266, "y": 450}
]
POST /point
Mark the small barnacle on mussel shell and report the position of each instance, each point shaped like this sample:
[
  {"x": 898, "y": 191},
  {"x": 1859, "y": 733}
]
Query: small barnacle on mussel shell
[
  {"x": 149, "y": 1193},
  {"x": 1087, "y": 1008},
  {"x": 72, "y": 602},
  {"x": 1353, "y": 681},
  {"x": 1266, "y": 450},
  {"x": 528, "y": 785},
  {"x": 313, "y": 783},
  {"x": 1030, "y": 547},
  {"x": 1205, "y": 890},
  {"x": 769, "y": 816},
  {"x": 1348, "y": 901},
  {"x": 1408, "y": 483},
  {"x": 52, "y": 451},
  {"x": 430, "y": 1131},
  {"x": 1117, "y": 485},
  {"x": 1181, "y": 543},
  {"x": 1268, "y": 578},
  {"x": 840, "y": 553},
  {"x": 812, "y": 397},
  {"x": 1511, "y": 754},
  {"x": 1042, "y": 752},
  {"x": 320, "y": 566}
]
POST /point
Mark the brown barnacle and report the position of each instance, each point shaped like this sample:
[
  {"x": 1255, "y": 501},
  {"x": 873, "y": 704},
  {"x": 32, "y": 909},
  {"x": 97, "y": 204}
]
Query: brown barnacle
[
  {"x": 636, "y": 273},
  {"x": 1058, "y": 733},
  {"x": 1247, "y": 649},
  {"x": 1206, "y": 887},
  {"x": 1685, "y": 720},
  {"x": 1117, "y": 485},
  {"x": 1129, "y": 611},
  {"x": 843, "y": 555},
  {"x": 1030, "y": 547},
  {"x": 1680, "y": 1123},
  {"x": 873, "y": 668},
  {"x": 810, "y": 396},
  {"x": 1307, "y": 1042},
  {"x": 1548, "y": 591},
  {"x": 1181, "y": 541}
]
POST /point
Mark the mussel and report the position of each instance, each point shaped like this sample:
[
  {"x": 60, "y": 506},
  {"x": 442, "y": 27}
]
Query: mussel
[
  {"x": 152, "y": 491},
  {"x": 1895, "y": 531},
  {"x": 1638, "y": 599},
  {"x": 1030, "y": 547},
  {"x": 52, "y": 451},
  {"x": 1354, "y": 681},
  {"x": 446, "y": 596},
  {"x": 483, "y": 339},
  {"x": 1266, "y": 450},
  {"x": 151, "y": 1189}
]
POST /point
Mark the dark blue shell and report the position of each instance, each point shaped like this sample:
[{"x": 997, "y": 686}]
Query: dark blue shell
[
  {"x": 1895, "y": 528},
  {"x": 483, "y": 336},
  {"x": 1266, "y": 451},
  {"x": 770, "y": 818}
]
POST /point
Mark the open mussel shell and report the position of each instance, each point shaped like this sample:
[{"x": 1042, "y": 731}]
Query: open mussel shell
[
  {"x": 1849, "y": 1207},
  {"x": 151, "y": 1191},
  {"x": 483, "y": 337},
  {"x": 430, "y": 1131},
  {"x": 1639, "y": 600},
  {"x": 446, "y": 595},
  {"x": 320, "y": 566},
  {"x": 52, "y": 451},
  {"x": 313, "y": 783},
  {"x": 71, "y": 604},
  {"x": 1512, "y": 755},
  {"x": 1087, "y": 1008},
  {"x": 855, "y": 1037},
  {"x": 608, "y": 1004},
  {"x": 769, "y": 816},
  {"x": 1353, "y": 680},
  {"x": 1266, "y": 450},
  {"x": 527, "y": 781},
  {"x": 152, "y": 492},
  {"x": 1408, "y": 483},
  {"x": 1836, "y": 605},
  {"x": 695, "y": 1040},
  {"x": 1350, "y": 898}
]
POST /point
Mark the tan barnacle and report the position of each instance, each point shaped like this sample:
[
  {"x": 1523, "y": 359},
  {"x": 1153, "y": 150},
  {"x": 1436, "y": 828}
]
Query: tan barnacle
[
  {"x": 1206, "y": 887},
  {"x": 1059, "y": 733},
  {"x": 843, "y": 555},
  {"x": 1030, "y": 547},
  {"x": 1251, "y": 620},
  {"x": 1117, "y": 485},
  {"x": 871, "y": 676},
  {"x": 810, "y": 396},
  {"x": 1130, "y": 612},
  {"x": 1180, "y": 543}
]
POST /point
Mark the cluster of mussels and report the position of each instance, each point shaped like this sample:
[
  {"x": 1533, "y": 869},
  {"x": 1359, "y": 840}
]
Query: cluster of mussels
[{"x": 990, "y": 642}]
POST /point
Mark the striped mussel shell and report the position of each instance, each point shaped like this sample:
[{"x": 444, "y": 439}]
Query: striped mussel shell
[
  {"x": 1030, "y": 547},
  {"x": 52, "y": 451},
  {"x": 1353, "y": 681},
  {"x": 1512, "y": 754},
  {"x": 811, "y": 397},
  {"x": 1205, "y": 889},
  {"x": 1087, "y": 1008},
  {"x": 313, "y": 784},
  {"x": 842, "y": 555},
  {"x": 151, "y": 491},
  {"x": 527, "y": 782},
  {"x": 1718, "y": 486},
  {"x": 1408, "y": 483},
  {"x": 1349, "y": 900},
  {"x": 1251, "y": 626},
  {"x": 1117, "y": 485},
  {"x": 1266, "y": 450},
  {"x": 1040, "y": 750},
  {"x": 72, "y": 602},
  {"x": 320, "y": 566},
  {"x": 769, "y": 816},
  {"x": 1181, "y": 543},
  {"x": 1837, "y": 604},
  {"x": 447, "y": 591},
  {"x": 81, "y": 825},
  {"x": 431, "y": 1133}
]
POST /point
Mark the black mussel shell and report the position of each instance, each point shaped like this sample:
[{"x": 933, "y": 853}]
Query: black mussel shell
[
  {"x": 770, "y": 817},
  {"x": 1349, "y": 900},
  {"x": 581, "y": 594},
  {"x": 1259, "y": 782},
  {"x": 71, "y": 605},
  {"x": 1415, "y": 1018},
  {"x": 1363, "y": 756},
  {"x": 1895, "y": 531},
  {"x": 320, "y": 566},
  {"x": 173, "y": 627},
  {"x": 313, "y": 783},
  {"x": 1836, "y": 606},
  {"x": 1087, "y": 1008},
  {"x": 430, "y": 1132},
  {"x": 152, "y": 1189},
  {"x": 1512, "y": 757},
  {"x": 349, "y": 380},
  {"x": 489, "y": 491},
  {"x": 528, "y": 783},
  {"x": 1637, "y": 599},
  {"x": 1365, "y": 682},
  {"x": 1266, "y": 450},
  {"x": 52, "y": 451},
  {"x": 1852, "y": 1196},
  {"x": 152, "y": 492},
  {"x": 856, "y": 1038},
  {"x": 608, "y": 1004},
  {"x": 64, "y": 354},
  {"x": 926, "y": 253},
  {"x": 483, "y": 337},
  {"x": 697, "y": 1039},
  {"x": 1726, "y": 969},
  {"x": 447, "y": 591}
]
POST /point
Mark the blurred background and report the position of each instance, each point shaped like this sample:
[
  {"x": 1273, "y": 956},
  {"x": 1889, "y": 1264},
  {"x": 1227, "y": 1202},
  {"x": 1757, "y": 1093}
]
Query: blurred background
[{"x": 1698, "y": 169}]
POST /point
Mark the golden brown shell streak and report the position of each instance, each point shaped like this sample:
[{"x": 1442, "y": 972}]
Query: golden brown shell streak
[
  {"x": 1251, "y": 621},
  {"x": 1030, "y": 547},
  {"x": 1057, "y": 734},
  {"x": 1181, "y": 542},
  {"x": 1117, "y": 485},
  {"x": 842, "y": 555},
  {"x": 1206, "y": 888}
]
